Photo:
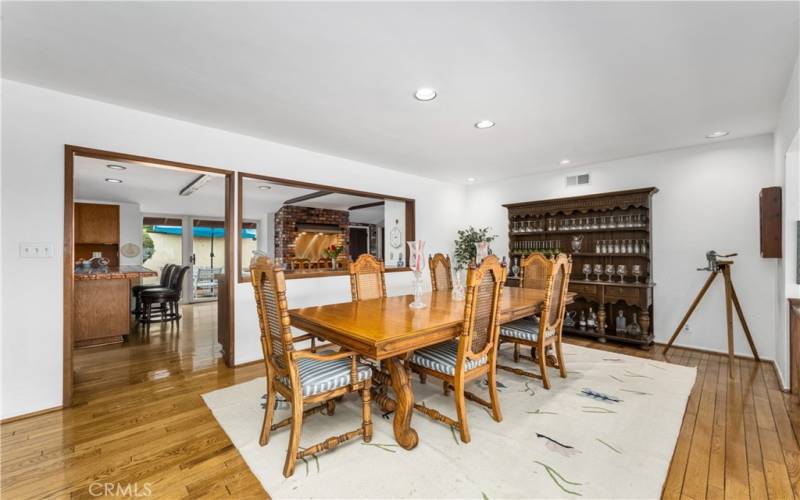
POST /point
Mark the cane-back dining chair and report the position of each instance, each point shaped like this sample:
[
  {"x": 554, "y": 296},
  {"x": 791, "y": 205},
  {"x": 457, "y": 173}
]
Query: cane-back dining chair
[
  {"x": 367, "y": 278},
  {"x": 547, "y": 330},
  {"x": 533, "y": 274},
  {"x": 302, "y": 376},
  {"x": 474, "y": 353},
  {"x": 441, "y": 274}
]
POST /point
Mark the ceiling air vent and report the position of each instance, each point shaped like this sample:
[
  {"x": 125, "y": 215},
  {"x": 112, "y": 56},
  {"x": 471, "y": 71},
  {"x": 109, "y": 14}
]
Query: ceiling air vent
[{"x": 578, "y": 180}]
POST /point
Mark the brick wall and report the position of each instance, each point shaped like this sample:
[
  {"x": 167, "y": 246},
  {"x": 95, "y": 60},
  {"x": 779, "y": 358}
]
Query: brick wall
[{"x": 287, "y": 218}]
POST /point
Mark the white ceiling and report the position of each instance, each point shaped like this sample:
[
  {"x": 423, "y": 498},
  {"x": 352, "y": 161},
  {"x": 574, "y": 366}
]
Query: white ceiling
[
  {"x": 259, "y": 201},
  {"x": 154, "y": 188},
  {"x": 585, "y": 81}
]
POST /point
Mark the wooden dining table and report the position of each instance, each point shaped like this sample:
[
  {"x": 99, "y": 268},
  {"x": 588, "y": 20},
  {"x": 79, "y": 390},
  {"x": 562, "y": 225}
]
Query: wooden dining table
[{"x": 387, "y": 330}]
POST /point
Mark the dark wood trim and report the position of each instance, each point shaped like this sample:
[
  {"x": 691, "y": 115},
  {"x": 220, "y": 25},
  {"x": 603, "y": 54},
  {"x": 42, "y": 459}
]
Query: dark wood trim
[
  {"x": 69, "y": 269},
  {"x": 306, "y": 197},
  {"x": 30, "y": 415},
  {"x": 410, "y": 219},
  {"x": 411, "y": 226},
  {"x": 240, "y": 277},
  {"x": 626, "y": 192},
  {"x": 368, "y": 205},
  {"x": 70, "y": 151},
  {"x": 230, "y": 268},
  {"x": 321, "y": 187},
  {"x": 142, "y": 160}
]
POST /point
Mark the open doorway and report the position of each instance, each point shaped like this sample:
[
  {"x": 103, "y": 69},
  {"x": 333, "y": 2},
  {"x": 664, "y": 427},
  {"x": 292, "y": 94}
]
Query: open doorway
[{"x": 134, "y": 223}]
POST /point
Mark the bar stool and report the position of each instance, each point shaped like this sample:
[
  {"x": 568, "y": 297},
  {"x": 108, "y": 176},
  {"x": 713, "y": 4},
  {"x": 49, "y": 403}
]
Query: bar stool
[
  {"x": 164, "y": 297},
  {"x": 166, "y": 276}
]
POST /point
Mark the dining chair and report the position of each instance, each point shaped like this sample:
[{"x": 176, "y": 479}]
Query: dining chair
[
  {"x": 441, "y": 272},
  {"x": 533, "y": 274},
  {"x": 302, "y": 377},
  {"x": 545, "y": 332},
  {"x": 474, "y": 353},
  {"x": 367, "y": 278}
]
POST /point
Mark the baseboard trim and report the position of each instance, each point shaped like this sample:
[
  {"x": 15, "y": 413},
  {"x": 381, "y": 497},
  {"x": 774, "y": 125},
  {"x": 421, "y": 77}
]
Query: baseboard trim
[
  {"x": 30, "y": 415},
  {"x": 249, "y": 363},
  {"x": 714, "y": 351},
  {"x": 771, "y": 362}
]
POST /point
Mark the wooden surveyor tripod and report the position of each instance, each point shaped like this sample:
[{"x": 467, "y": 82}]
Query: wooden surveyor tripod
[{"x": 716, "y": 267}]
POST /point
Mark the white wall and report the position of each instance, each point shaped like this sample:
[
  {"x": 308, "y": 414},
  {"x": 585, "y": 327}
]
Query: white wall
[
  {"x": 708, "y": 199},
  {"x": 394, "y": 216},
  {"x": 39, "y": 122},
  {"x": 787, "y": 173}
]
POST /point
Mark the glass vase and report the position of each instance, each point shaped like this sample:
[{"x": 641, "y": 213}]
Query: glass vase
[
  {"x": 417, "y": 303},
  {"x": 458, "y": 293}
]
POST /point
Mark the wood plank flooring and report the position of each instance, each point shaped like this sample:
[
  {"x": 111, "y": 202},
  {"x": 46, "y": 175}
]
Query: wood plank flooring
[{"x": 139, "y": 425}]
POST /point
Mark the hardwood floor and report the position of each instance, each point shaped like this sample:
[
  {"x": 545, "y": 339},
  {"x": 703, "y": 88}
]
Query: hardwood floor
[{"x": 139, "y": 422}]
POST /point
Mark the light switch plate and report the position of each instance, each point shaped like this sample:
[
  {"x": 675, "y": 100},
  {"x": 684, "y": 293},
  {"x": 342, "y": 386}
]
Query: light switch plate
[{"x": 36, "y": 250}]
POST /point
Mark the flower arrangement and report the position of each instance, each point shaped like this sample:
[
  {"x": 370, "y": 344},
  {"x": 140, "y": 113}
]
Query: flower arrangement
[{"x": 333, "y": 251}]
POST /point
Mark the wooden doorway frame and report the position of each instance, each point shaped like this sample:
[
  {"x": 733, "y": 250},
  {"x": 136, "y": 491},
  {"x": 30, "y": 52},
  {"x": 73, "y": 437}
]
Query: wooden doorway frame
[{"x": 70, "y": 152}]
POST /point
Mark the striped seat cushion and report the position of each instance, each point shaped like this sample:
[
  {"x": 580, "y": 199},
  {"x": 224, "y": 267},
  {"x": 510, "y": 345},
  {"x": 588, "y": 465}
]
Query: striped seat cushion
[
  {"x": 524, "y": 329},
  {"x": 322, "y": 376},
  {"x": 442, "y": 358}
]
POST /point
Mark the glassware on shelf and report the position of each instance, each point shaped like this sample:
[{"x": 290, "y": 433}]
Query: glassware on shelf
[
  {"x": 621, "y": 272},
  {"x": 610, "y": 271},
  {"x": 636, "y": 246},
  {"x": 595, "y": 223},
  {"x": 598, "y": 271},
  {"x": 597, "y": 246},
  {"x": 644, "y": 246},
  {"x": 612, "y": 223},
  {"x": 616, "y": 247},
  {"x": 629, "y": 246},
  {"x": 587, "y": 270},
  {"x": 636, "y": 271}
]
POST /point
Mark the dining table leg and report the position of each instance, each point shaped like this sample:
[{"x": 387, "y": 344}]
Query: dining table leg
[{"x": 403, "y": 433}]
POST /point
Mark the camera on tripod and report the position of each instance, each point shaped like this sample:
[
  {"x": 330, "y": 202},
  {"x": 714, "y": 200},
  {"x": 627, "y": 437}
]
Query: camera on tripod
[{"x": 713, "y": 261}]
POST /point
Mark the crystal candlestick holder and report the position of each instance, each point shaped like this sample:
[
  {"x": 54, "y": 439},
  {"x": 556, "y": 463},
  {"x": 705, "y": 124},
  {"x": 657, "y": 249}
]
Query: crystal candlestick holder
[{"x": 417, "y": 304}]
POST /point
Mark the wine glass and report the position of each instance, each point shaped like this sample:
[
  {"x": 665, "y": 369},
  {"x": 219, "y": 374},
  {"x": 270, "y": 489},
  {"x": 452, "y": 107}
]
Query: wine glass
[
  {"x": 587, "y": 270},
  {"x": 621, "y": 271},
  {"x": 636, "y": 270},
  {"x": 609, "y": 271},
  {"x": 598, "y": 270}
]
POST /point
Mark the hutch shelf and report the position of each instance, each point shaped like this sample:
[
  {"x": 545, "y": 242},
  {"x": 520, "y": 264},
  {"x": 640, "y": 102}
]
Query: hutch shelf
[{"x": 608, "y": 237}]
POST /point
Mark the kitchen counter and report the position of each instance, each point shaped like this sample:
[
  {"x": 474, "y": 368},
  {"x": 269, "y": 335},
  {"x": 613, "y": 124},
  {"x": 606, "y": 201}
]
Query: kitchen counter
[
  {"x": 102, "y": 313},
  {"x": 113, "y": 273}
]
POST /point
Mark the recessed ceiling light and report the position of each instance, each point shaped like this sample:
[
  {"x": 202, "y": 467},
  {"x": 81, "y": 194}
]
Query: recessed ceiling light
[
  {"x": 116, "y": 167},
  {"x": 564, "y": 162},
  {"x": 717, "y": 134},
  {"x": 470, "y": 179},
  {"x": 264, "y": 187},
  {"x": 425, "y": 94},
  {"x": 484, "y": 124},
  {"x": 115, "y": 181}
]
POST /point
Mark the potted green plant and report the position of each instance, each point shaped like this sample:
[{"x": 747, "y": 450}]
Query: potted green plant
[{"x": 465, "y": 251}]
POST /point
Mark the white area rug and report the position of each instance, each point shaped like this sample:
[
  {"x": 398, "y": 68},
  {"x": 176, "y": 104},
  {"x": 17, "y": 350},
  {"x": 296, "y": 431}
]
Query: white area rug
[{"x": 556, "y": 443}]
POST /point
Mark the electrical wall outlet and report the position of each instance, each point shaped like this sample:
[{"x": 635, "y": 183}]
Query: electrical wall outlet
[{"x": 28, "y": 250}]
